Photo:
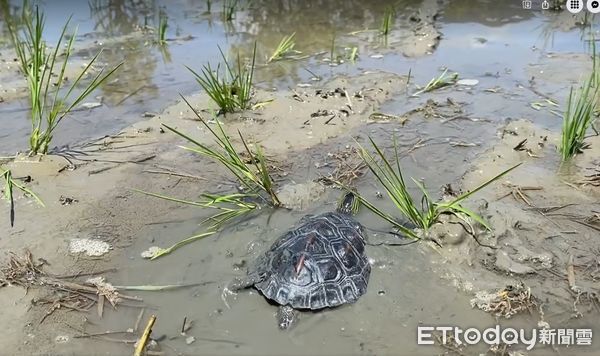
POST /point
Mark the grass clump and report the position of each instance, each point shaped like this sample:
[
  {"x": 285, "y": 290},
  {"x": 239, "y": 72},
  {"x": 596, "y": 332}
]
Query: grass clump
[
  {"x": 578, "y": 118},
  {"x": 9, "y": 185},
  {"x": 443, "y": 80},
  {"x": 257, "y": 185},
  {"x": 230, "y": 89},
  {"x": 285, "y": 46},
  {"x": 254, "y": 175},
  {"x": 581, "y": 111},
  {"x": 46, "y": 78},
  {"x": 389, "y": 174}
]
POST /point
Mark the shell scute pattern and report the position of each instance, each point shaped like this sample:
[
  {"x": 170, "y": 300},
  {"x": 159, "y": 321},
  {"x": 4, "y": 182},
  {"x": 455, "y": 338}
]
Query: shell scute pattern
[{"x": 321, "y": 263}]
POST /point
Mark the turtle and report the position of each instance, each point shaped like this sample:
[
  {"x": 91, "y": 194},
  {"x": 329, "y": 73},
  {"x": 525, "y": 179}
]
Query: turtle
[{"x": 321, "y": 263}]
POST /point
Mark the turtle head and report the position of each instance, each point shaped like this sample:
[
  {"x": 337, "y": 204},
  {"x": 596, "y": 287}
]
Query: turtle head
[{"x": 349, "y": 203}]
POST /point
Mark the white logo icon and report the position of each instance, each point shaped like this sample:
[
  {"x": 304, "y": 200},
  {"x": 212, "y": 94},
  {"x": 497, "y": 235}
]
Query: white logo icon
[
  {"x": 527, "y": 4},
  {"x": 575, "y": 6},
  {"x": 593, "y": 6},
  {"x": 545, "y": 5}
]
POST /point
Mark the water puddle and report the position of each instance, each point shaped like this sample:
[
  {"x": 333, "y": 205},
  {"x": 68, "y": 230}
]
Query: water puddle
[{"x": 500, "y": 42}]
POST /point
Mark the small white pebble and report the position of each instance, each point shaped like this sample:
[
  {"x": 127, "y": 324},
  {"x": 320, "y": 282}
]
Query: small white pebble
[{"x": 61, "y": 339}]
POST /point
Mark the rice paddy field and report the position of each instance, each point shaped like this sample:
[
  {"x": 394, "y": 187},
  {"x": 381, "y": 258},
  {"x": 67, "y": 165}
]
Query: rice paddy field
[{"x": 151, "y": 151}]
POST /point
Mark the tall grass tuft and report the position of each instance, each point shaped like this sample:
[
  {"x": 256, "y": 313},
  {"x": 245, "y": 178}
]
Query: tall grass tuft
[
  {"x": 256, "y": 181},
  {"x": 46, "y": 79},
  {"x": 578, "y": 118},
  {"x": 285, "y": 46},
  {"x": 254, "y": 176},
  {"x": 230, "y": 89},
  {"x": 9, "y": 185},
  {"x": 389, "y": 174}
]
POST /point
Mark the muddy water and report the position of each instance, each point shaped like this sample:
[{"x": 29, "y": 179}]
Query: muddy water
[
  {"x": 500, "y": 45},
  {"x": 403, "y": 292}
]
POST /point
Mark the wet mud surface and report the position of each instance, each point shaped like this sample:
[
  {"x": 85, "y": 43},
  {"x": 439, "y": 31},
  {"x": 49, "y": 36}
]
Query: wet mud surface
[{"x": 539, "y": 265}]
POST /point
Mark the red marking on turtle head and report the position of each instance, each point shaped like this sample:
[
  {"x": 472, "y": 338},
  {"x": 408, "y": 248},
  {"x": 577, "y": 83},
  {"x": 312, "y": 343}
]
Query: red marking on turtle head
[
  {"x": 300, "y": 264},
  {"x": 310, "y": 240},
  {"x": 348, "y": 248}
]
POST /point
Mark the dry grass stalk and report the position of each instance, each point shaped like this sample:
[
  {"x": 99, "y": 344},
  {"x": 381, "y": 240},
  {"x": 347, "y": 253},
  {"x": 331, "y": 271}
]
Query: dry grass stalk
[{"x": 22, "y": 270}]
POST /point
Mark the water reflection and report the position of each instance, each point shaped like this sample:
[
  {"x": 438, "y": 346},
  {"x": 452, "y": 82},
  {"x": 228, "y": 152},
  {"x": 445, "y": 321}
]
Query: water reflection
[
  {"x": 127, "y": 22},
  {"x": 135, "y": 79},
  {"x": 486, "y": 12},
  {"x": 120, "y": 17},
  {"x": 152, "y": 76},
  {"x": 9, "y": 12}
]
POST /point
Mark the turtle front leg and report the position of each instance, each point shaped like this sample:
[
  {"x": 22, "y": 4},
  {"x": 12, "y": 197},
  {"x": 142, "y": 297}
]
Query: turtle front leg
[
  {"x": 235, "y": 285},
  {"x": 286, "y": 317}
]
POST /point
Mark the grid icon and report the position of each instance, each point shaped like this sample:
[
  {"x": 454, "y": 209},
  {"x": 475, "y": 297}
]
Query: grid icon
[{"x": 574, "y": 6}]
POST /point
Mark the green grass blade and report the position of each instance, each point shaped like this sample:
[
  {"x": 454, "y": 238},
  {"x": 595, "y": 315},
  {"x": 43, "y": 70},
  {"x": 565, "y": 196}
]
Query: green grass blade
[
  {"x": 466, "y": 195},
  {"x": 166, "y": 251},
  {"x": 8, "y": 194},
  {"x": 28, "y": 191},
  {"x": 151, "y": 288},
  {"x": 164, "y": 197},
  {"x": 9, "y": 185},
  {"x": 387, "y": 217},
  {"x": 285, "y": 46},
  {"x": 471, "y": 214}
]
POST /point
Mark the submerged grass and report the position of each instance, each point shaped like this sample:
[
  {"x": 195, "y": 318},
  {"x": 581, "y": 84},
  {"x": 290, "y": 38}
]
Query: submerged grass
[
  {"x": 285, "y": 46},
  {"x": 443, "y": 80},
  {"x": 387, "y": 22},
  {"x": 46, "y": 78},
  {"x": 389, "y": 174},
  {"x": 229, "y": 9},
  {"x": 9, "y": 185},
  {"x": 162, "y": 28},
  {"x": 595, "y": 64},
  {"x": 232, "y": 89},
  {"x": 334, "y": 56}
]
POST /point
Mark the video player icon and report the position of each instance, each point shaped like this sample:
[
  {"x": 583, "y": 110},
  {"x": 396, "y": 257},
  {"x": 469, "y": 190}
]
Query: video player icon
[
  {"x": 593, "y": 6},
  {"x": 574, "y": 6}
]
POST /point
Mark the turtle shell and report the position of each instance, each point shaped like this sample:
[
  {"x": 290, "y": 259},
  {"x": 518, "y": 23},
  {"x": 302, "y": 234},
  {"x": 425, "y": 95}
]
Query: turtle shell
[{"x": 320, "y": 263}]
